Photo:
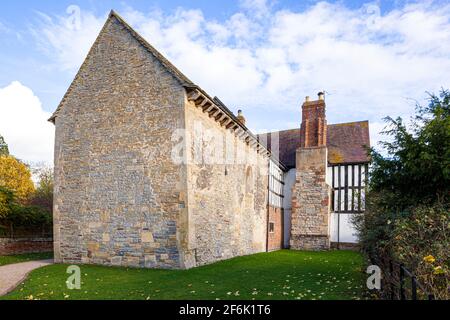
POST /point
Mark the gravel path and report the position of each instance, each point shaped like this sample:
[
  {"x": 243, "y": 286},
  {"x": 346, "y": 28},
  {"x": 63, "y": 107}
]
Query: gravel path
[{"x": 12, "y": 275}]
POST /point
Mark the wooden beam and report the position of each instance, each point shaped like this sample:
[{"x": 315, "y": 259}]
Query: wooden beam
[
  {"x": 203, "y": 103},
  {"x": 241, "y": 133},
  {"x": 218, "y": 116},
  {"x": 213, "y": 112},
  {"x": 346, "y": 188},
  {"x": 209, "y": 108},
  {"x": 226, "y": 121},
  {"x": 230, "y": 124},
  {"x": 200, "y": 100},
  {"x": 339, "y": 188},
  {"x": 206, "y": 105}
]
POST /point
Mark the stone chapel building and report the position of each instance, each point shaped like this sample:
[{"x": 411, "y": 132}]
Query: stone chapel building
[{"x": 151, "y": 171}]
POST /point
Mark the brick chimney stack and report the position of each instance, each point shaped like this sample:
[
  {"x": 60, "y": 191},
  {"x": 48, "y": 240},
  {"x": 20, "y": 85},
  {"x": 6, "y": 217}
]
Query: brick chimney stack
[
  {"x": 310, "y": 213},
  {"x": 313, "y": 130}
]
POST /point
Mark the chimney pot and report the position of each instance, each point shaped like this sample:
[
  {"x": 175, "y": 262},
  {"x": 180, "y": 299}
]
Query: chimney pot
[
  {"x": 241, "y": 117},
  {"x": 321, "y": 95},
  {"x": 307, "y": 99}
]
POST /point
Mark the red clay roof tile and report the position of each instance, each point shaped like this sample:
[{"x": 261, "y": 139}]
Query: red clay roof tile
[{"x": 346, "y": 143}]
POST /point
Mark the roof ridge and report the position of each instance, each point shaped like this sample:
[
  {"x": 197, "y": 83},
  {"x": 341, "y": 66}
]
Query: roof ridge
[
  {"x": 185, "y": 81},
  {"x": 166, "y": 63},
  {"x": 350, "y": 122},
  {"x": 329, "y": 124},
  {"x": 53, "y": 116},
  {"x": 279, "y": 131}
]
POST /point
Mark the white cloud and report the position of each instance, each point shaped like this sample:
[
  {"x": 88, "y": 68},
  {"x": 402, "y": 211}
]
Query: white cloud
[
  {"x": 258, "y": 8},
  {"x": 24, "y": 124},
  {"x": 267, "y": 60},
  {"x": 67, "y": 38}
]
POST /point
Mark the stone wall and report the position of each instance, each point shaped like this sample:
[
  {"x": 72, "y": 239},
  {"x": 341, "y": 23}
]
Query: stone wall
[
  {"x": 275, "y": 238},
  {"x": 345, "y": 246},
  {"x": 310, "y": 201},
  {"x": 289, "y": 181},
  {"x": 227, "y": 192},
  {"x": 25, "y": 245},
  {"x": 119, "y": 199}
]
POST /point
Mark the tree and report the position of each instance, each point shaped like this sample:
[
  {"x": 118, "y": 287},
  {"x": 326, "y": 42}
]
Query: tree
[
  {"x": 15, "y": 216},
  {"x": 407, "y": 204},
  {"x": 4, "y": 151},
  {"x": 6, "y": 199},
  {"x": 16, "y": 176},
  {"x": 416, "y": 169},
  {"x": 43, "y": 196}
]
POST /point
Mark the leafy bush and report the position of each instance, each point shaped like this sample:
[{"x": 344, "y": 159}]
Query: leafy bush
[
  {"x": 14, "y": 215},
  {"x": 24, "y": 210},
  {"x": 43, "y": 196},
  {"x": 421, "y": 241},
  {"x": 407, "y": 204}
]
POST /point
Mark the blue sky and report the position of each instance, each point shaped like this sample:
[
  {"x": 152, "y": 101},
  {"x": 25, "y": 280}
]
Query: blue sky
[{"x": 372, "y": 58}]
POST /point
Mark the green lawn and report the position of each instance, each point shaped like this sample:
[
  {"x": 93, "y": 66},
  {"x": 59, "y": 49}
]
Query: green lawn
[
  {"x": 25, "y": 257},
  {"x": 282, "y": 274}
]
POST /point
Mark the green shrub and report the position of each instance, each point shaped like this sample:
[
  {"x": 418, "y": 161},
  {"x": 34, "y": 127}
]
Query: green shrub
[
  {"x": 407, "y": 204},
  {"x": 28, "y": 219},
  {"x": 422, "y": 241}
]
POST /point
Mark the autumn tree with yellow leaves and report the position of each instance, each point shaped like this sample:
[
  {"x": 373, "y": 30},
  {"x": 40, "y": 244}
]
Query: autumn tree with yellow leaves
[
  {"x": 16, "y": 176},
  {"x": 24, "y": 211}
]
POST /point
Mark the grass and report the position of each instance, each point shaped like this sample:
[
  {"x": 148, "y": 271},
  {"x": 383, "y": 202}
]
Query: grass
[
  {"x": 25, "y": 257},
  {"x": 284, "y": 274}
]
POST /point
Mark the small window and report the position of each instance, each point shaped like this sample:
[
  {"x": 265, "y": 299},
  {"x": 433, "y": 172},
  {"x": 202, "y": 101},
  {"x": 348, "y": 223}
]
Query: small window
[{"x": 271, "y": 227}]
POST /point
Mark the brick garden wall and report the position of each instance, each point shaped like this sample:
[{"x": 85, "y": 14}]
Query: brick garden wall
[{"x": 25, "y": 245}]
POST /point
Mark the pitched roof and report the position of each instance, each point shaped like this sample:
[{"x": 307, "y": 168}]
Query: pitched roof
[
  {"x": 184, "y": 81},
  {"x": 346, "y": 143},
  {"x": 166, "y": 63}
]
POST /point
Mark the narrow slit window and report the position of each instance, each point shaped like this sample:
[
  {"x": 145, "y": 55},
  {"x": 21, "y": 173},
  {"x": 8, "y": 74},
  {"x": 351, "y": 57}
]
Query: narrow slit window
[{"x": 271, "y": 227}]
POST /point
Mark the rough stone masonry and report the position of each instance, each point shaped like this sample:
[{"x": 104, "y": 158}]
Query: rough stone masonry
[
  {"x": 120, "y": 198},
  {"x": 150, "y": 171},
  {"x": 311, "y": 194}
]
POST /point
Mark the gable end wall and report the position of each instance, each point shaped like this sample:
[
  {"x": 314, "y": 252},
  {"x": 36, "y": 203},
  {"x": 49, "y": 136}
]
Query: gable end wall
[{"x": 119, "y": 199}]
